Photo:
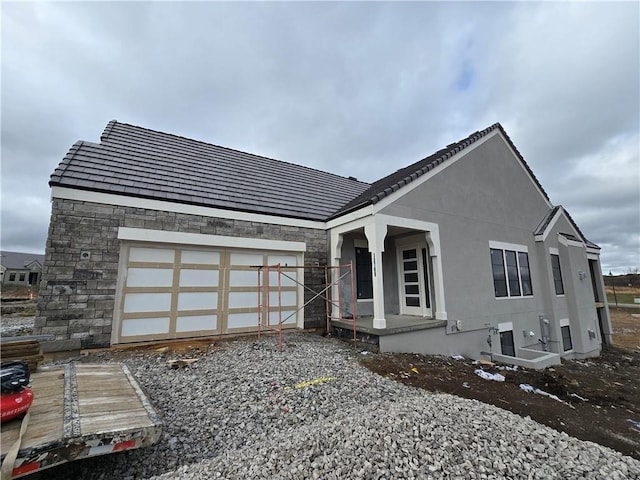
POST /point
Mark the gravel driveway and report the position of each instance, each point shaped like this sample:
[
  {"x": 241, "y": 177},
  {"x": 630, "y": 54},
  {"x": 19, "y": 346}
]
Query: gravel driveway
[{"x": 243, "y": 410}]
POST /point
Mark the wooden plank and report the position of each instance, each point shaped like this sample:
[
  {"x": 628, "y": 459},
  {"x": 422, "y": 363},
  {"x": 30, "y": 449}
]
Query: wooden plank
[
  {"x": 107, "y": 400},
  {"x": 109, "y": 425},
  {"x": 45, "y": 424}
]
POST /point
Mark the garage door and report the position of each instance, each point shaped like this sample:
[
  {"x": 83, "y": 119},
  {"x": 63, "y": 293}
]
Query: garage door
[{"x": 179, "y": 292}]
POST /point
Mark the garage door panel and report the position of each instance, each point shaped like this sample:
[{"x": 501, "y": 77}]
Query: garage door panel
[
  {"x": 247, "y": 259},
  {"x": 147, "y": 302},
  {"x": 287, "y": 278},
  {"x": 155, "y": 255},
  {"x": 145, "y": 326},
  {"x": 150, "y": 277},
  {"x": 289, "y": 317},
  {"x": 199, "y": 278},
  {"x": 200, "y": 257},
  {"x": 242, "y": 320},
  {"x": 243, "y": 278},
  {"x": 285, "y": 298},
  {"x": 197, "y": 300},
  {"x": 242, "y": 300},
  {"x": 193, "y": 323}
]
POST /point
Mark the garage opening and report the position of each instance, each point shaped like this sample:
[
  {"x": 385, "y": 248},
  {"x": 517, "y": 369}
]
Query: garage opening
[{"x": 181, "y": 291}]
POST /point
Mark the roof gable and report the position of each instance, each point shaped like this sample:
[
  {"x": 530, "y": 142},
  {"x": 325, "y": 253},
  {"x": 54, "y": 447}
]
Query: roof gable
[
  {"x": 135, "y": 161},
  {"x": 547, "y": 223},
  {"x": 404, "y": 176},
  {"x": 19, "y": 260}
]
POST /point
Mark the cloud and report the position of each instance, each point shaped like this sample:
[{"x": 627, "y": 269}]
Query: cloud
[{"x": 356, "y": 89}]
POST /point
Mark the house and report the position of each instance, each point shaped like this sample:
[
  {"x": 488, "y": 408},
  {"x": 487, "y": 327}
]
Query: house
[
  {"x": 18, "y": 268},
  {"x": 155, "y": 236}
]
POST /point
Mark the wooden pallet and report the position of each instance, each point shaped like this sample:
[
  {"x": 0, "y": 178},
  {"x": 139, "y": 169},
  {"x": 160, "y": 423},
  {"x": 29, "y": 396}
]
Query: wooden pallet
[{"x": 80, "y": 411}]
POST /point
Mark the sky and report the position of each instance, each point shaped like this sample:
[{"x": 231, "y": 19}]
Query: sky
[{"x": 357, "y": 89}]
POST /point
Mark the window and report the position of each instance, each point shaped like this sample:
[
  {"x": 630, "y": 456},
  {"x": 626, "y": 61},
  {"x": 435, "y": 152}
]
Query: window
[
  {"x": 22, "y": 277},
  {"x": 506, "y": 343},
  {"x": 557, "y": 274},
  {"x": 497, "y": 265},
  {"x": 566, "y": 338},
  {"x": 511, "y": 274},
  {"x": 525, "y": 274},
  {"x": 12, "y": 277},
  {"x": 364, "y": 282}
]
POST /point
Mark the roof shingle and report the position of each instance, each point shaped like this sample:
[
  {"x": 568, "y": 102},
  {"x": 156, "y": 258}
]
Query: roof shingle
[{"x": 145, "y": 163}]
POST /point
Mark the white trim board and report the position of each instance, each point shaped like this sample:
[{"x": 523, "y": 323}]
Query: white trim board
[
  {"x": 162, "y": 236},
  {"x": 161, "y": 205},
  {"x": 508, "y": 246}
]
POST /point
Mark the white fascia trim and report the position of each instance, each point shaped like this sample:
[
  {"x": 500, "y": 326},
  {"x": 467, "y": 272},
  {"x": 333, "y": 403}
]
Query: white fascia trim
[
  {"x": 406, "y": 189},
  {"x": 162, "y": 236},
  {"x": 161, "y": 205},
  {"x": 365, "y": 211},
  {"x": 508, "y": 246},
  {"x": 352, "y": 225},
  {"x": 569, "y": 243},
  {"x": 554, "y": 251},
  {"x": 593, "y": 254},
  {"x": 549, "y": 228},
  {"x": 505, "y": 327}
]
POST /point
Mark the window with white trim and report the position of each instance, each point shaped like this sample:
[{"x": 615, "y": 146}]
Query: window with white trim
[
  {"x": 507, "y": 343},
  {"x": 364, "y": 280},
  {"x": 565, "y": 331},
  {"x": 557, "y": 274},
  {"x": 511, "y": 273}
]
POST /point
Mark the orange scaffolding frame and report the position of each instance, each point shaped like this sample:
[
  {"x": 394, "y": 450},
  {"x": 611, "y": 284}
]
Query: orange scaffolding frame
[{"x": 325, "y": 293}]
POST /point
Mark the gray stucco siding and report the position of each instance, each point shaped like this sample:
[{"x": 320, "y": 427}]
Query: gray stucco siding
[
  {"x": 77, "y": 292},
  {"x": 473, "y": 206}
]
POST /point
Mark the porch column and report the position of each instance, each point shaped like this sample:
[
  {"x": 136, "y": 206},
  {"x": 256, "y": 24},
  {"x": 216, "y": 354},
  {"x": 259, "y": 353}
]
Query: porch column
[
  {"x": 375, "y": 233},
  {"x": 433, "y": 240},
  {"x": 335, "y": 257}
]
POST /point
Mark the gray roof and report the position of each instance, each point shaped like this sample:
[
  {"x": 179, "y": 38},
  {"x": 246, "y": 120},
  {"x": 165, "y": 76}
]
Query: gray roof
[
  {"x": 138, "y": 162},
  {"x": 18, "y": 260}
]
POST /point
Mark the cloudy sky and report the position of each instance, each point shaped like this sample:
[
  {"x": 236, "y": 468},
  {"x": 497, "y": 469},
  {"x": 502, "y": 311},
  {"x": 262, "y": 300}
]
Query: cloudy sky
[{"x": 351, "y": 88}]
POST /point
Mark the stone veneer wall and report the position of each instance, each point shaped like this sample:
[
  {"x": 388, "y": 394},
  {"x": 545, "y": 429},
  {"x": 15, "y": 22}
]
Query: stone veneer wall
[{"x": 77, "y": 295}]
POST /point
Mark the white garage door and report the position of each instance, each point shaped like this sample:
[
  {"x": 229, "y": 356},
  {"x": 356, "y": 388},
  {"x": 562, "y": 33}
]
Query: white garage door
[{"x": 179, "y": 292}]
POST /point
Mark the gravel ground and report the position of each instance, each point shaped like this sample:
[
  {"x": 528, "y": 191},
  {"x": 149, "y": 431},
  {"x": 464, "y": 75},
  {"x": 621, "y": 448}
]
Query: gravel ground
[
  {"x": 15, "y": 326},
  {"x": 243, "y": 411}
]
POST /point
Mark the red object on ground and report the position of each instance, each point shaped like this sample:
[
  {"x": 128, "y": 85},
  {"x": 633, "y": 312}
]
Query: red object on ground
[{"x": 13, "y": 405}]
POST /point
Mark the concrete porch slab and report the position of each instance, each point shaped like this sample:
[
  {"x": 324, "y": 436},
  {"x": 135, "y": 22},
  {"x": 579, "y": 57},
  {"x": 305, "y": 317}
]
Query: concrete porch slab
[{"x": 395, "y": 324}]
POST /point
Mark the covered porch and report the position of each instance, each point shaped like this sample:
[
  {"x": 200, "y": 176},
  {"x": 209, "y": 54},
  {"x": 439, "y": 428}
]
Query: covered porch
[{"x": 397, "y": 284}]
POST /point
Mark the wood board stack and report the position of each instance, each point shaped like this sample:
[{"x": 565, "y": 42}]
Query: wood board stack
[{"x": 29, "y": 351}]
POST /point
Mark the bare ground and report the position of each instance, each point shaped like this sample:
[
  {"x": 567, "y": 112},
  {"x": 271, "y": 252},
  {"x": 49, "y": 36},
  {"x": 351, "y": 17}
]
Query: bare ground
[{"x": 598, "y": 399}]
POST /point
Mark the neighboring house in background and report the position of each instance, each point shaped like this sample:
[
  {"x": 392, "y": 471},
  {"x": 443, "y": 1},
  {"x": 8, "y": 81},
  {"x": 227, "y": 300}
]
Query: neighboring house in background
[
  {"x": 155, "y": 236},
  {"x": 21, "y": 268}
]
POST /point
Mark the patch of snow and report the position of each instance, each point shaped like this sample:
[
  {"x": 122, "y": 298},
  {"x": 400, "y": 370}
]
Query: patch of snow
[
  {"x": 511, "y": 368},
  {"x": 496, "y": 377},
  {"x": 634, "y": 423},
  {"x": 575, "y": 395},
  {"x": 457, "y": 357},
  {"x": 529, "y": 389}
]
